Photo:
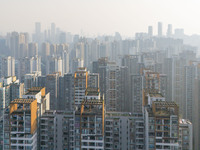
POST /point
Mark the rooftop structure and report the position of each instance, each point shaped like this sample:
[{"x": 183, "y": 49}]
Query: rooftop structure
[
  {"x": 90, "y": 122},
  {"x": 23, "y": 124}
]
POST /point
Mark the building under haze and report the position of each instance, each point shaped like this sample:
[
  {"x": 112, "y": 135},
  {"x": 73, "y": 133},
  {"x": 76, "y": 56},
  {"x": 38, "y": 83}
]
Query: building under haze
[
  {"x": 160, "y": 29},
  {"x": 7, "y": 66},
  {"x": 161, "y": 122},
  {"x": 103, "y": 92}
]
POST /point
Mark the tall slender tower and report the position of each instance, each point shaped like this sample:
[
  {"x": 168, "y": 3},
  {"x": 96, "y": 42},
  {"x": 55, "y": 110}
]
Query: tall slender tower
[
  {"x": 159, "y": 29},
  {"x": 169, "y": 30},
  {"x": 150, "y": 31},
  {"x": 80, "y": 85}
]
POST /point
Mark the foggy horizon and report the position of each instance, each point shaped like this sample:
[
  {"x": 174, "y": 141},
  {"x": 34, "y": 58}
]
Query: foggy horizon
[
  {"x": 92, "y": 18},
  {"x": 99, "y": 75}
]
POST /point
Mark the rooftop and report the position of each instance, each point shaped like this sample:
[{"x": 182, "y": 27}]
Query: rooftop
[
  {"x": 163, "y": 108},
  {"x": 22, "y": 101},
  {"x": 92, "y": 102},
  {"x": 165, "y": 104},
  {"x": 92, "y": 106},
  {"x": 92, "y": 91},
  {"x": 184, "y": 121},
  {"x": 34, "y": 90},
  {"x": 155, "y": 95}
]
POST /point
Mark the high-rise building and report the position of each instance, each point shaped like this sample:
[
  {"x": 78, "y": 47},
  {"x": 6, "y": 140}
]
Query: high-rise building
[
  {"x": 93, "y": 80},
  {"x": 15, "y": 40},
  {"x": 16, "y": 90},
  {"x": 53, "y": 49},
  {"x": 62, "y": 38},
  {"x": 100, "y": 68},
  {"x": 174, "y": 69},
  {"x": 136, "y": 93},
  {"x": 57, "y": 130},
  {"x": 10, "y": 88},
  {"x": 160, "y": 34},
  {"x": 22, "y": 125},
  {"x": 115, "y": 52},
  {"x": 163, "y": 86},
  {"x": 191, "y": 97},
  {"x": 169, "y": 30},
  {"x": 95, "y": 50},
  {"x": 131, "y": 62},
  {"x": 52, "y": 85},
  {"x": 42, "y": 97},
  {"x": 4, "y": 96},
  {"x": 23, "y": 68},
  {"x": 196, "y": 127},
  {"x": 147, "y": 80},
  {"x": 45, "y": 50},
  {"x": 79, "y": 48},
  {"x": 161, "y": 122},
  {"x": 23, "y": 50},
  {"x": 76, "y": 63},
  {"x": 150, "y": 31},
  {"x": 37, "y": 28},
  {"x": 28, "y": 66},
  {"x": 80, "y": 85},
  {"x": 190, "y": 73},
  {"x": 32, "y": 49},
  {"x": 30, "y": 80},
  {"x": 7, "y": 66},
  {"x": 37, "y": 36},
  {"x": 185, "y": 135},
  {"x": 53, "y": 32},
  {"x": 112, "y": 95},
  {"x": 89, "y": 123},
  {"x": 68, "y": 82},
  {"x": 151, "y": 80},
  {"x": 65, "y": 61},
  {"x": 124, "y": 99},
  {"x": 21, "y": 121},
  {"x": 124, "y": 131},
  {"x": 54, "y": 64},
  {"x": 35, "y": 64}
]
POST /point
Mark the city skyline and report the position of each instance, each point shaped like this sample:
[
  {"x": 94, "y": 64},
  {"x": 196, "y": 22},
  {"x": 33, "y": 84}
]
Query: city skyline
[
  {"x": 92, "y": 18},
  {"x": 99, "y": 75}
]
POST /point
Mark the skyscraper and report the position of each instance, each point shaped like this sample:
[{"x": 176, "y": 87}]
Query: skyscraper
[
  {"x": 52, "y": 85},
  {"x": 32, "y": 49},
  {"x": 68, "y": 100},
  {"x": 160, "y": 34},
  {"x": 150, "y": 31},
  {"x": 23, "y": 68},
  {"x": 80, "y": 85},
  {"x": 89, "y": 121},
  {"x": 38, "y": 35},
  {"x": 53, "y": 32},
  {"x": 185, "y": 134},
  {"x": 7, "y": 66},
  {"x": 124, "y": 131},
  {"x": 161, "y": 122},
  {"x": 23, "y": 124},
  {"x": 22, "y": 120},
  {"x": 169, "y": 30},
  {"x": 37, "y": 28},
  {"x": 57, "y": 130},
  {"x": 65, "y": 61},
  {"x": 45, "y": 50},
  {"x": 112, "y": 95},
  {"x": 131, "y": 62},
  {"x": 54, "y": 64}
]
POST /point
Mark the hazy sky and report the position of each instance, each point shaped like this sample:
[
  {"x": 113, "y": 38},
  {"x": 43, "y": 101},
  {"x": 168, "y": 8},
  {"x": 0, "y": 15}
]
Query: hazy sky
[{"x": 100, "y": 16}]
